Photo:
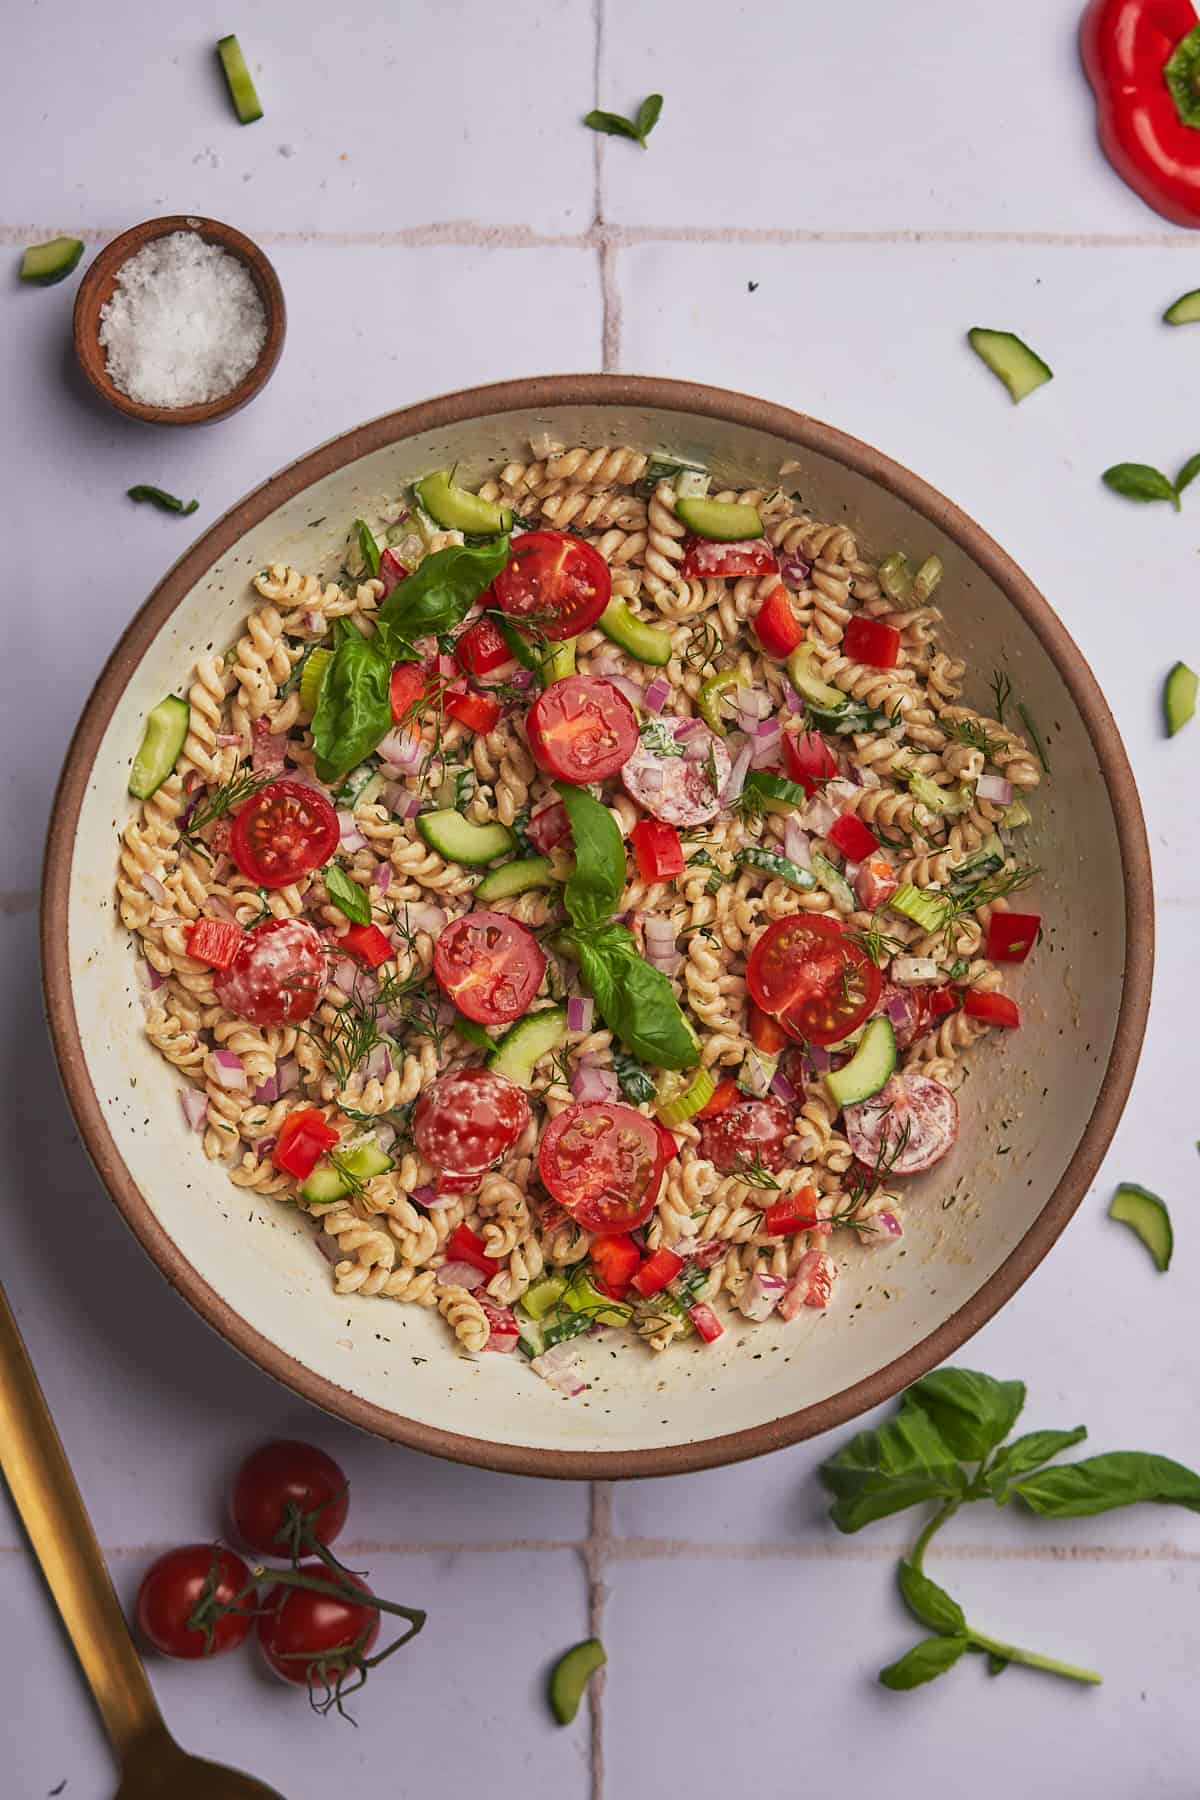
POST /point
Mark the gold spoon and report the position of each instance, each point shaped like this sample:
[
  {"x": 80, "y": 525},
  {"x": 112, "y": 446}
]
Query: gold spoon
[{"x": 153, "y": 1767}]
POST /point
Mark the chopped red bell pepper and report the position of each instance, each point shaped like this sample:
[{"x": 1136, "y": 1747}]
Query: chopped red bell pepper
[
  {"x": 478, "y": 712},
  {"x": 391, "y": 571},
  {"x": 367, "y": 944},
  {"x": 992, "y": 1009},
  {"x": 482, "y": 649},
  {"x": 776, "y": 626},
  {"x": 798, "y": 1212},
  {"x": 465, "y": 1245},
  {"x": 660, "y": 1267},
  {"x": 875, "y": 883},
  {"x": 1143, "y": 59},
  {"x": 868, "y": 641},
  {"x": 852, "y": 838},
  {"x": 549, "y": 827},
  {"x": 766, "y": 1034},
  {"x": 658, "y": 851},
  {"x": 668, "y": 1143},
  {"x": 304, "y": 1137},
  {"x": 808, "y": 759},
  {"x": 706, "y": 1321},
  {"x": 215, "y": 942},
  {"x": 703, "y": 557},
  {"x": 941, "y": 1001},
  {"x": 614, "y": 1263},
  {"x": 724, "y": 1094},
  {"x": 1011, "y": 936},
  {"x": 410, "y": 683},
  {"x": 503, "y": 1334}
]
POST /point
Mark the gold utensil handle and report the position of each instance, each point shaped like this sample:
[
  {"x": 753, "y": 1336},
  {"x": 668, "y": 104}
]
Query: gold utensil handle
[{"x": 44, "y": 1489}]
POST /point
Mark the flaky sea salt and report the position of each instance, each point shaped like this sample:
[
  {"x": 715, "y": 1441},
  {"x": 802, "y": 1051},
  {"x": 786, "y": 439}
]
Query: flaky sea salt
[{"x": 184, "y": 325}]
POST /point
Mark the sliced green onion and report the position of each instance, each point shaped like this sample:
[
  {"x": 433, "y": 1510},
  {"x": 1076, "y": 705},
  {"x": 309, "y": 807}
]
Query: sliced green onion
[
  {"x": 312, "y": 678},
  {"x": 924, "y": 909},
  {"x": 712, "y": 690},
  {"x": 674, "y": 1107},
  {"x": 926, "y": 579},
  {"x": 542, "y": 1295},
  {"x": 895, "y": 578},
  {"x": 159, "y": 497},
  {"x": 242, "y": 91}
]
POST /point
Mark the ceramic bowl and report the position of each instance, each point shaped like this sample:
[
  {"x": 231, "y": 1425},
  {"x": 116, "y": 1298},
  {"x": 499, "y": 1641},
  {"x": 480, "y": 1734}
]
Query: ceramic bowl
[{"x": 1049, "y": 1095}]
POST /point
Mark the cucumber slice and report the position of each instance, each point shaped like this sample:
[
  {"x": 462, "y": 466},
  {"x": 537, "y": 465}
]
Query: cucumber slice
[
  {"x": 712, "y": 691},
  {"x": 454, "y": 509},
  {"x": 775, "y": 793},
  {"x": 44, "y": 264},
  {"x": 1185, "y": 310},
  {"x": 543, "y": 1294},
  {"x": 927, "y": 579},
  {"x": 559, "y": 661},
  {"x": 460, "y": 841},
  {"x": 331, "y": 1179},
  {"x": 643, "y": 641},
  {"x": 1017, "y": 366},
  {"x": 869, "y": 1069},
  {"x": 531, "y": 1038},
  {"x": 779, "y": 868},
  {"x": 724, "y": 521},
  {"x": 834, "y": 883},
  {"x": 514, "y": 878},
  {"x": 1179, "y": 697},
  {"x": 583, "y": 1296},
  {"x": 162, "y": 740},
  {"x": 808, "y": 684},
  {"x": 312, "y": 678},
  {"x": 1146, "y": 1214},
  {"x": 242, "y": 91},
  {"x": 926, "y": 910}
]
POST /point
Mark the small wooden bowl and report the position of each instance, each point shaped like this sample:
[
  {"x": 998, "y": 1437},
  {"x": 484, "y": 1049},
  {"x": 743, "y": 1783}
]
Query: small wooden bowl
[{"x": 96, "y": 289}]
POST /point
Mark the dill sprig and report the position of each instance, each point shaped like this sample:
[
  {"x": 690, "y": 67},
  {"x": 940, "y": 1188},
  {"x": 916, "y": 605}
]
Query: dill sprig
[
  {"x": 866, "y": 1182},
  {"x": 1001, "y": 692},
  {"x": 1034, "y": 737},
  {"x": 222, "y": 800},
  {"x": 704, "y": 645},
  {"x": 877, "y": 943},
  {"x": 754, "y": 1172},
  {"x": 973, "y": 733}
]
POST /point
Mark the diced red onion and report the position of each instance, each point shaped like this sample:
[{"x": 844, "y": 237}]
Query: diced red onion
[
  {"x": 898, "y": 1009},
  {"x": 287, "y": 1073},
  {"x": 630, "y": 689},
  {"x": 660, "y": 932},
  {"x": 220, "y": 908},
  {"x": 267, "y": 1092},
  {"x": 766, "y": 745},
  {"x": 581, "y": 1009},
  {"x": 887, "y": 1221},
  {"x": 460, "y": 1274},
  {"x": 994, "y": 788},
  {"x": 750, "y": 707},
  {"x": 794, "y": 570},
  {"x": 383, "y": 877},
  {"x": 791, "y": 698},
  {"x": 155, "y": 889},
  {"x": 426, "y": 918},
  {"x": 378, "y": 1065},
  {"x": 657, "y": 694},
  {"x": 228, "y": 1071},
  {"x": 399, "y": 802},
  {"x": 739, "y": 769},
  {"x": 819, "y": 816},
  {"x": 313, "y": 622},
  {"x": 686, "y": 728},
  {"x": 796, "y": 846},
  {"x": 403, "y": 751},
  {"x": 349, "y": 836},
  {"x": 155, "y": 979},
  {"x": 344, "y": 974},
  {"x": 227, "y": 739},
  {"x": 195, "y": 1107},
  {"x": 761, "y": 1295},
  {"x": 667, "y": 962},
  {"x": 781, "y": 1086},
  {"x": 562, "y": 1367},
  {"x": 521, "y": 679},
  {"x": 819, "y": 1057},
  {"x": 425, "y": 1195},
  {"x": 263, "y": 1146},
  {"x": 696, "y": 749},
  {"x": 590, "y": 1084}
]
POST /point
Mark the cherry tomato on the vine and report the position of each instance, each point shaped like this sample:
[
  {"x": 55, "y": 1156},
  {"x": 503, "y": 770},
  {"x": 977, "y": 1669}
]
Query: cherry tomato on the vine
[
  {"x": 181, "y": 1596},
  {"x": 286, "y": 1497}
]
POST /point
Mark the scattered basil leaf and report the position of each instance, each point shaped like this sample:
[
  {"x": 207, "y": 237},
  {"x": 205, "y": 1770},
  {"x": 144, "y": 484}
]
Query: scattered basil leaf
[
  {"x": 1181, "y": 71},
  {"x": 924, "y": 1662},
  {"x": 354, "y": 711},
  {"x": 902, "y": 1464},
  {"x": 930, "y": 1604},
  {"x": 595, "y": 887},
  {"x": 473, "y": 1032},
  {"x": 368, "y": 548},
  {"x": 972, "y": 1412},
  {"x": 635, "y": 1083},
  {"x": 1025, "y": 1454},
  {"x": 1188, "y": 473},
  {"x": 159, "y": 497},
  {"x": 438, "y": 595},
  {"x": 1034, "y": 735},
  {"x": 1103, "y": 1483},
  {"x": 636, "y": 1001},
  {"x": 648, "y": 116},
  {"x": 996, "y": 1665},
  {"x": 617, "y": 125},
  {"x": 346, "y": 895},
  {"x": 1138, "y": 481}
]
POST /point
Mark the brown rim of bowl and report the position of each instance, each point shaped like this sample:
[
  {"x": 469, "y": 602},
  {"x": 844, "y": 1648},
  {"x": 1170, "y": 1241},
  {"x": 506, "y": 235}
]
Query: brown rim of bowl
[
  {"x": 96, "y": 289},
  {"x": 732, "y": 409}
]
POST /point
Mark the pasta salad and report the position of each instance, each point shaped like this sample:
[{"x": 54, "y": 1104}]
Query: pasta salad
[{"x": 581, "y": 905}]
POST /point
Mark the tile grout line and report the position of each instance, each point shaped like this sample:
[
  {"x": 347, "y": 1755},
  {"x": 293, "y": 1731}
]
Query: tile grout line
[{"x": 595, "y": 1555}]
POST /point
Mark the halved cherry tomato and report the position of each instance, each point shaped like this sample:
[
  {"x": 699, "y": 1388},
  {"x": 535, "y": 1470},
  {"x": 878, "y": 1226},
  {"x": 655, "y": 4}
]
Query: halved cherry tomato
[
  {"x": 548, "y": 827},
  {"x": 214, "y": 941},
  {"x": 391, "y": 570},
  {"x": 287, "y": 1496},
  {"x": 724, "y": 1094},
  {"x": 367, "y": 944},
  {"x": 285, "y": 831},
  {"x": 316, "y": 1639},
  {"x": 489, "y": 965},
  {"x": 478, "y": 712},
  {"x": 581, "y": 728},
  {"x": 660, "y": 1267},
  {"x": 852, "y": 838},
  {"x": 669, "y": 1143},
  {"x": 752, "y": 1131},
  {"x": 558, "y": 582},
  {"x": 797, "y": 1213},
  {"x": 808, "y": 759},
  {"x": 180, "y": 1581},
  {"x": 657, "y": 850},
  {"x": 875, "y": 883},
  {"x": 410, "y": 683},
  {"x": 468, "y": 1119},
  {"x": 614, "y": 1261},
  {"x": 748, "y": 556},
  {"x": 776, "y": 626},
  {"x": 278, "y": 974},
  {"x": 707, "y": 1324},
  {"x": 465, "y": 1245},
  {"x": 1010, "y": 936},
  {"x": 815, "y": 980},
  {"x": 503, "y": 1333},
  {"x": 303, "y": 1139},
  {"x": 765, "y": 1033},
  {"x": 869, "y": 641},
  {"x": 482, "y": 649},
  {"x": 993, "y": 1009},
  {"x": 604, "y": 1163}
]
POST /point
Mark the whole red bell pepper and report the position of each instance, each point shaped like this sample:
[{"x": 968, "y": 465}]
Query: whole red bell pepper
[{"x": 1143, "y": 59}]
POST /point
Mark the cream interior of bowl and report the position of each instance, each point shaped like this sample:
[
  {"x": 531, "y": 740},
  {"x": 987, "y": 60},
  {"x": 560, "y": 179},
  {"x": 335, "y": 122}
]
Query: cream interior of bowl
[{"x": 1029, "y": 1095}]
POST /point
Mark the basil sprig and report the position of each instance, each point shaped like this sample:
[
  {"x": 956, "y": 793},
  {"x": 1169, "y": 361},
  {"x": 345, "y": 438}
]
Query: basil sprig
[
  {"x": 354, "y": 711},
  {"x": 635, "y": 1001},
  {"x": 617, "y": 125},
  {"x": 946, "y": 1446},
  {"x": 347, "y": 896},
  {"x": 1143, "y": 482}
]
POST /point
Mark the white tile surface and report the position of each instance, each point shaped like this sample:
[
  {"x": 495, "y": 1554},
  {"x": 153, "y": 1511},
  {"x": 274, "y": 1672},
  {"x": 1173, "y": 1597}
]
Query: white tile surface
[{"x": 434, "y": 152}]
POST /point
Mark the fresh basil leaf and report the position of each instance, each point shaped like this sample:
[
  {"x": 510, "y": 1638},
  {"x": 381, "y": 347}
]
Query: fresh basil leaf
[
  {"x": 636, "y": 1002},
  {"x": 159, "y": 497},
  {"x": 904, "y": 1463},
  {"x": 996, "y": 1665},
  {"x": 438, "y": 595},
  {"x": 924, "y": 1662},
  {"x": 1188, "y": 473},
  {"x": 1138, "y": 481},
  {"x": 473, "y": 1033},
  {"x": 1025, "y": 1454},
  {"x": 611, "y": 124},
  {"x": 929, "y": 1604},
  {"x": 648, "y": 116},
  {"x": 346, "y": 895},
  {"x": 973, "y": 1413},
  {"x": 368, "y": 548},
  {"x": 635, "y": 1083},
  {"x": 354, "y": 711},
  {"x": 1181, "y": 71},
  {"x": 594, "y": 889},
  {"x": 1102, "y": 1483}
]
